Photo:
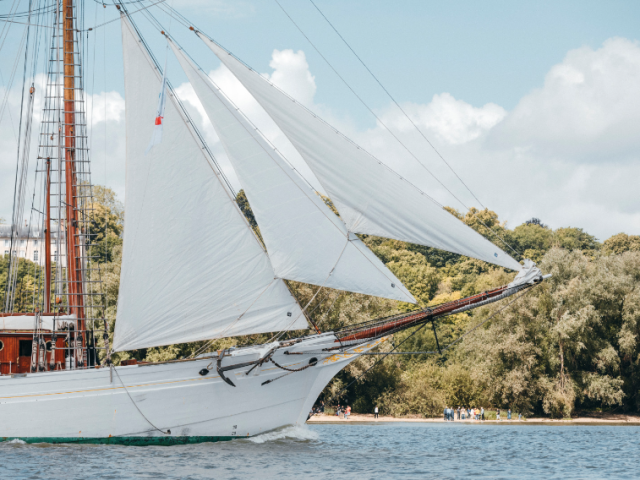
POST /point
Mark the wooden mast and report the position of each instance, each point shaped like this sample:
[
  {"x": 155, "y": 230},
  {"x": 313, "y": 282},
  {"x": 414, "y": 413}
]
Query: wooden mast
[
  {"x": 74, "y": 265},
  {"x": 47, "y": 240}
]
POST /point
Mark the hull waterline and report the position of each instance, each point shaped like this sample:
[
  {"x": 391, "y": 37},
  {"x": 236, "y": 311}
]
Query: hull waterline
[{"x": 172, "y": 403}]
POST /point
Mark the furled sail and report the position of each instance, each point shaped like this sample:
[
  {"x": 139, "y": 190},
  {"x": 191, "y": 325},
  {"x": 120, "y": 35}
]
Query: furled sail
[
  {"x": 191, "y": 268},
  {"x": 306, "y": 241},
  {"x": 370, "y": 197}
]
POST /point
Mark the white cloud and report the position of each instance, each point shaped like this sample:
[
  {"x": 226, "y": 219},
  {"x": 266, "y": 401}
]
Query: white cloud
[
  {"x": 105, "y": 107},
  {"x": 569, "y": 152},
  {"x": 291, "y": 74},
  {"x": 586, "y": 111},
  {"x": 451, "y": 120}
]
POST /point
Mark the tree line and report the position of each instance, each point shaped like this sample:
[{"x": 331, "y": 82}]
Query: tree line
[{"x": 569, "y": 344}]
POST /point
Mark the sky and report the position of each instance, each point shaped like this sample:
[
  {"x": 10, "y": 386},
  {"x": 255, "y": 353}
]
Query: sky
[{"x": 535, "y": 105}]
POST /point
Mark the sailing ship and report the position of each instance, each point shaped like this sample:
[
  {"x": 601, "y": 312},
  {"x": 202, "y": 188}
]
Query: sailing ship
[{"x": 58, "y": 390}]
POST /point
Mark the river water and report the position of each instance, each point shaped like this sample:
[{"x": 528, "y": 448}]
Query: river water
[{"x": 352, "y": 451}]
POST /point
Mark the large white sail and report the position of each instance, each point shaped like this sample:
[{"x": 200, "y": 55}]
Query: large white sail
[
  {"x": 306, "y": 241},
  {"x": 370, "y": 197},
  {"x": 191, "y": 268}
]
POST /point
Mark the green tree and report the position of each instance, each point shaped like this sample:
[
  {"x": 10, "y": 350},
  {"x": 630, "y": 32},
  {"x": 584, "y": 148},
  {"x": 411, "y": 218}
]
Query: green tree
[
  {"x": 621, "y": 243},
  {"x": 107, "y": 224},
  {"x": 27, "y": 292}
]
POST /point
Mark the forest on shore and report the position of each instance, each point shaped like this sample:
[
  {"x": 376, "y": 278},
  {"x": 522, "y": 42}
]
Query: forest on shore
[{"x": 569, "y": 344}]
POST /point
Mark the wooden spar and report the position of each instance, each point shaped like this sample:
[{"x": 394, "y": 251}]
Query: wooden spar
[
  {"x": 426, "y": 314},
  {"x": 47, "y": 240},
  {"x": 74, "y": 267}
]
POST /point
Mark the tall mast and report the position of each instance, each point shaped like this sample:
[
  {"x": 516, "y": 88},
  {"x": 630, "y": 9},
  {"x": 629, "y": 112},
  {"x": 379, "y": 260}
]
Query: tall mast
[
  {"x": 67, "y": 202},
  {"x": 74, "y": 260},
  {"x": 47, "y": 240}
]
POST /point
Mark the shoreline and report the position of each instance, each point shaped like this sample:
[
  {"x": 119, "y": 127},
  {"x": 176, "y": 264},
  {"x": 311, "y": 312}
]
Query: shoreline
[{"x": 628, "y": 420}]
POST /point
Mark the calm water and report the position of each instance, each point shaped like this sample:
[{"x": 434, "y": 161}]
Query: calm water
[{"x": 380, "y": 451}]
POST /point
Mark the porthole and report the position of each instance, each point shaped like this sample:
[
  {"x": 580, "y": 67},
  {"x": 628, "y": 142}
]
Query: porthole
[
  {"x": 313, "y": 361},
  {"x": 48, "y": 346},
  {"x": 1, "y": 344}
]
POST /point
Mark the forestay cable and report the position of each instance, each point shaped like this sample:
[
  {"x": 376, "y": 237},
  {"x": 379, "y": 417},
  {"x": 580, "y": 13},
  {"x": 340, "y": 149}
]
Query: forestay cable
[
  {"x": 391, "y": 132},
  {"x": 397, "y": 104}
]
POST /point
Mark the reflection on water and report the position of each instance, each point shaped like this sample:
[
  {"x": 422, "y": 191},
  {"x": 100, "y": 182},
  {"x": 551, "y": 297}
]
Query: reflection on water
[{"x": 405, "y": 451}]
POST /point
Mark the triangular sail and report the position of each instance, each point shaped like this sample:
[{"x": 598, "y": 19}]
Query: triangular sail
[
  {"x": 191, "y": 267},
  {"x": 370, "y": 197},
  {"x": 306, "y": 241}
]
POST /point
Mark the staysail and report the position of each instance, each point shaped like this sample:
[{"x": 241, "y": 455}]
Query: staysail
[
  {"x": 370, "y": 197},
  {"x": 306, "y": 241},
  {"x": 191, "y": 268}
]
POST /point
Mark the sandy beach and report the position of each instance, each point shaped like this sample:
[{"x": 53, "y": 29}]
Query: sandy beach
[{"x": 602, "y": 419}]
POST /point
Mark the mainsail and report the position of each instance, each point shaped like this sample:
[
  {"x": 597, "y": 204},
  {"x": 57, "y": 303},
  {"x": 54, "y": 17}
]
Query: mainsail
[
  {"x": 371, "y": 198},
  {"x": 192, "y": 268},
  {"x": 306, "y": 241}
]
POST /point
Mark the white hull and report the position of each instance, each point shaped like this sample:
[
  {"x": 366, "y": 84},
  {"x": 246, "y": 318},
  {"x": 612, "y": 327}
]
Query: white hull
[{"x": 125, "y": 404}]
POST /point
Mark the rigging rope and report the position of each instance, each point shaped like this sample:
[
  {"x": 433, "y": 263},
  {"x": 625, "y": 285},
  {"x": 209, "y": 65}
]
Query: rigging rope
[
  {"x": 389, "y": 129},
  {"x": 168, "y": 432},
  {"x": 396, "y": 103},
  {"x": 128, "y": 13}
]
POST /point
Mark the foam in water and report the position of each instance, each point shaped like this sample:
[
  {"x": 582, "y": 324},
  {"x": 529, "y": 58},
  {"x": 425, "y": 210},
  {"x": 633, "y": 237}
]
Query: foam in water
[
  {"x": 17, "y": 441},
  {"x": 296, "y": 432}
]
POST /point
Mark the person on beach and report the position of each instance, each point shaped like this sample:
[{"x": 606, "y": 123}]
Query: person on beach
[
  {"x": 498, "y": 414},
  {"x": 519, "y": 417},
  {"x": 375, "y": 412},
  {"x": 458, "y": 413},
  {"x": 446, "y": 412},
  {"x": 482, "y": 413},
  {"x": 347, "y": 412},
  {"x": 509, "y": 414},
  {"x": 463, "y": 413}
]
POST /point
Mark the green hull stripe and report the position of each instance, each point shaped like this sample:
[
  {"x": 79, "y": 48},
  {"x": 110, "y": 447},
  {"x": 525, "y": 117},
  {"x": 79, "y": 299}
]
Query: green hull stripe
[{"x": 135, "y": 441}]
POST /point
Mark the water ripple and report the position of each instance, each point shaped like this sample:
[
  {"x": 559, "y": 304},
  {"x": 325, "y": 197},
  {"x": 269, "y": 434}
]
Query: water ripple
[{"x": 336, "y": 452}]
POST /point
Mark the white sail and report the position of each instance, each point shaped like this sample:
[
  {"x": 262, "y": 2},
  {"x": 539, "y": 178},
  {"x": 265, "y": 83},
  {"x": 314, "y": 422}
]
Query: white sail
[
  {"x": 306, "y": 241},
  {"x": 191, "y": 267},
  {"x": 370, "y": 197}
]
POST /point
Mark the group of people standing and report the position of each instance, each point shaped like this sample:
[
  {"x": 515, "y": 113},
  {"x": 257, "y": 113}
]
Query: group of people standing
[
  {"x": 343, "y": 412},
  {"x": 463, "y": 413},
  {"x": 471, "y": 414}
]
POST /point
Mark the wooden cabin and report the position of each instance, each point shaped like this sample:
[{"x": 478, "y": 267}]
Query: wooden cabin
[
  {"x": 15, "y": 351},
  {"x": 16, "y": 340}
]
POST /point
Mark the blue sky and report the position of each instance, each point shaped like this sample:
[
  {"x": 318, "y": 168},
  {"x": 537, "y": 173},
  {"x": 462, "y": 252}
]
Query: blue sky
[
  {"x": 489, "y": 51},
  {"x": 533, "y": 103}
]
